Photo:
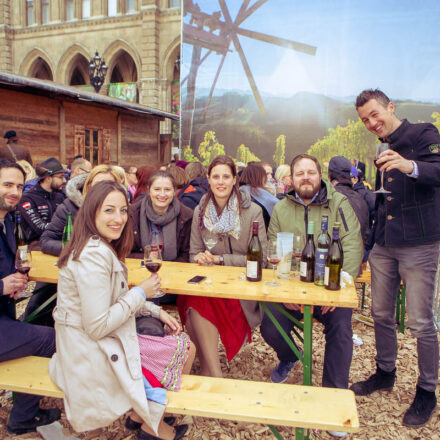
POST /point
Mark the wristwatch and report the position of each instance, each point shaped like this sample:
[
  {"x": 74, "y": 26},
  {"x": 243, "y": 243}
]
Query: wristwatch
[{"x": 221, "y": 261}]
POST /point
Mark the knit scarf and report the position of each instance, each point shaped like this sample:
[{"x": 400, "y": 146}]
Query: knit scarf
[
  {"x": 262, "y": 196},
  {"x": 167, "y": 222},
  {"x": 229, "y": 220}
]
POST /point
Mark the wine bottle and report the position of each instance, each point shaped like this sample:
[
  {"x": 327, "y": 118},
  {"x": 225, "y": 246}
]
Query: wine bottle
[
  {"x": 307, "y": 265},
  {"x": 334, "y": 263},
  {"x": 67, "y": 233},
  {"x": 20, "y": 238},
  {"x": 254, "y": 256},
  {"x": 323, "y": 245}
]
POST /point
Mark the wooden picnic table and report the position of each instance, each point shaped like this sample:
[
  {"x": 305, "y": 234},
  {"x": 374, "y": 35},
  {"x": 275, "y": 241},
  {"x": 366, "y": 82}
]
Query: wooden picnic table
[{"x": 229, "y": 282}]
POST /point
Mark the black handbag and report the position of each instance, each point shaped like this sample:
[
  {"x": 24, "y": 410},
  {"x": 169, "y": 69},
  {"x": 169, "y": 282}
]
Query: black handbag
[{"x": 147, "y": 325}]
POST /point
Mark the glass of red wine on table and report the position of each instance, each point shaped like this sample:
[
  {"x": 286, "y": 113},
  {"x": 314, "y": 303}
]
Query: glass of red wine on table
[
  {"x": 23, "y": 264},
  {"x": 298, "y": 246},
  {"x": 153, "y": 262},
  {"x": 274, "y": 255},
  {"x": 380, "y": 149}
]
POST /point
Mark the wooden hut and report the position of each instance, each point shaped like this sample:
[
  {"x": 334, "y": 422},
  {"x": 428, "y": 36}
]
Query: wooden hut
[{"x": 61, "y": 121}]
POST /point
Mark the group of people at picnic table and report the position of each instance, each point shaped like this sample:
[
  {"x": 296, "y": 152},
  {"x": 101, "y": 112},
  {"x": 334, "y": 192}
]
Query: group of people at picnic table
[{"x": 102, "y": 360}]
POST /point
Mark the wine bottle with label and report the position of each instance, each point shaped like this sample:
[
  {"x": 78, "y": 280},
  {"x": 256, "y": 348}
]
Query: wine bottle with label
[
  {"x": 323, "y": 245},
  {"x": 20, "y": 238},
  {"x": 254, "y": 256},
  {"x": 307, "y": 265},
  {"x": 335, "y": 260},
  {"x": 68, "y": 229}
]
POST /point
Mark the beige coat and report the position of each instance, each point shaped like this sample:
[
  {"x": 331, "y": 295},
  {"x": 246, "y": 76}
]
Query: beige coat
[
  {"x": 234, "y": 251},
  {"x": 97, "y": 363}
]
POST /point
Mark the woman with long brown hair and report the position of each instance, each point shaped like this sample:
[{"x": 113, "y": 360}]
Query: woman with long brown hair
[
  {"x": 226, "y": 213},
  {"x": 98, "y": 361}
]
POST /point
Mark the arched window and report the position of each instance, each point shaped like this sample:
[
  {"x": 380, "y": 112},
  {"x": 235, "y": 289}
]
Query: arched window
[
  {"x": 78, "y": 71},
  {"x": 40, "y": 69}
]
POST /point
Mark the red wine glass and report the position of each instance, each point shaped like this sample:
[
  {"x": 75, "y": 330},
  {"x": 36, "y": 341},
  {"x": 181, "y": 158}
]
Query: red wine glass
[
  {"x": 23, "y": 264},
  {"x": 153, "y": 262}
]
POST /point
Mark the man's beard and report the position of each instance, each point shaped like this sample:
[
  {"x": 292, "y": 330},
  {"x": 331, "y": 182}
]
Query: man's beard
[
  {"x": 55, "y": 187},
  {"x": 307, "y": 193},
  {"x": 4, "y": 206}
]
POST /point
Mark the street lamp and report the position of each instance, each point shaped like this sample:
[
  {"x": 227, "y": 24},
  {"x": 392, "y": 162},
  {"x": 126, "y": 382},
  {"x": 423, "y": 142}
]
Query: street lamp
[{"x": 97, "y": 72}]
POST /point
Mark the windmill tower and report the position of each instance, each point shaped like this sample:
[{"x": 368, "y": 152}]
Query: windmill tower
[{"x": 214, "y": 33}]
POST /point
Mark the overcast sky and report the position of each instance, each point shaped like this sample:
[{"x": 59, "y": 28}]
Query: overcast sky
[{"x": 391, "y": 44}]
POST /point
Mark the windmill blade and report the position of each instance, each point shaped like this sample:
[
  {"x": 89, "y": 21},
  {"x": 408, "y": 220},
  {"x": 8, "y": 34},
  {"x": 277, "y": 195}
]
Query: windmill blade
[
  {"x": 211, "y": 92},
  {"x": 300, "y": 47},
  {"x": 250, "y": 11},
  {"x": 242, "y": 10},
  {"x": 244, "y": 62}
]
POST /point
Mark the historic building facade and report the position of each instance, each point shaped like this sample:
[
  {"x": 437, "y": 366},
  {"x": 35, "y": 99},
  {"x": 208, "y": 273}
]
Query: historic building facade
[{"x": 138, "y": 39}]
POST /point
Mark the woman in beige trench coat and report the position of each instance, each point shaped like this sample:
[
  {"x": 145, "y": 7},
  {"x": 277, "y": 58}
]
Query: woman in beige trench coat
[{"x": 97, "y": 363}]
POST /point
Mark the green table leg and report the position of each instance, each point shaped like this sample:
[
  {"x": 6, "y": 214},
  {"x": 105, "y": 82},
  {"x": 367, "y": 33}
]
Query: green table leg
[{"x": 308, "y": 325}]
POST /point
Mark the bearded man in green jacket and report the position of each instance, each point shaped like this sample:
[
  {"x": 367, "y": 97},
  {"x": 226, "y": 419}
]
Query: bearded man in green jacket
[{"x": 311, "y": 198}]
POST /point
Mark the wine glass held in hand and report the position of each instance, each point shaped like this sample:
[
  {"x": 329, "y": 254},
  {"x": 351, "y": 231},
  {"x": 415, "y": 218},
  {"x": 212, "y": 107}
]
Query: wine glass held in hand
[
  {"x": 380, "y": 149},
  {"x": 153, "y": 262},
  {"x": 274, "y": 257},
  {"x": 23, "y": 264},
  {"x": 210, "y": 239}
]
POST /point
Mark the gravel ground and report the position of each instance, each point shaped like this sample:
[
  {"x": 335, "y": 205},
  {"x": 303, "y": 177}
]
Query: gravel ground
[{"x": 380, "y": 414}]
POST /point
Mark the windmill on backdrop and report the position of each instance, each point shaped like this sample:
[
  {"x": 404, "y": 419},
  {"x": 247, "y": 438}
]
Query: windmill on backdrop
[{"x": 215, "y": 32}]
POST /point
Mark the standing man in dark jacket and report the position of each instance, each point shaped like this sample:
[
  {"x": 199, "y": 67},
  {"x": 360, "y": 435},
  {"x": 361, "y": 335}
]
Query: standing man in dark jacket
[
  {"x": 38, "y": 205},
  {"x": 18, "y": 339},
  {"x": 407, "y": 235}
]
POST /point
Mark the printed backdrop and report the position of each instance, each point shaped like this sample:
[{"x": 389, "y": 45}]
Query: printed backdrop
[{"x": 266, "y": 80}]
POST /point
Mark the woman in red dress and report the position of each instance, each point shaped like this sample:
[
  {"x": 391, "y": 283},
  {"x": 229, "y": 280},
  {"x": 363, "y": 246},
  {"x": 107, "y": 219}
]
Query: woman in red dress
[{"x": 225, "y": 213}]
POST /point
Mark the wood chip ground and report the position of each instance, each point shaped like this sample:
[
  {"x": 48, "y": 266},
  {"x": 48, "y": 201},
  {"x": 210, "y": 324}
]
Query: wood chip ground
[{"x": 380, "y": 414}]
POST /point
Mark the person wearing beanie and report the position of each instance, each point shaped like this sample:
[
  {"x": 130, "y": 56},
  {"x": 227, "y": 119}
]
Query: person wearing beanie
[
  {"x": 339, "y": 174},
  {"x": 38, "y": 205},
  {"x": 13, "y": 150}
]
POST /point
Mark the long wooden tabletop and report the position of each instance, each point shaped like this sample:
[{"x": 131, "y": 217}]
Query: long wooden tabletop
[{"x": 227, "y": 282}]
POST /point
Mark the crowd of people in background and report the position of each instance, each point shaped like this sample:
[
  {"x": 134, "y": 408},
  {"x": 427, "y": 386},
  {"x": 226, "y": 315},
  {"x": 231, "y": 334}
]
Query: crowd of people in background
[{"x": 181, "y": 206}]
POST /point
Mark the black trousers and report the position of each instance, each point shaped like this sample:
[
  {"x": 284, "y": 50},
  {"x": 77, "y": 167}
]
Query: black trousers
[
  {"x": 19, "y": 339},
  {"x": 338, "y": 341}
]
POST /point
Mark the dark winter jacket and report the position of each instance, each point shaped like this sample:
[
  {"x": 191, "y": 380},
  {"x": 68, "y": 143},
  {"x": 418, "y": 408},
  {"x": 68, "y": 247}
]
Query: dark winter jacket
[
  {"x": 369, "y": 197},
  {"x": 7, "y": 264},
  {"x": 51, "y": 239},
  {"x": 191, "y": 194},
  {"x": 409, "y": 216},
  {"x": 183, "y": 231},
  {"x": 359, "y": 206},
  {"x": 37, "y": 206}
]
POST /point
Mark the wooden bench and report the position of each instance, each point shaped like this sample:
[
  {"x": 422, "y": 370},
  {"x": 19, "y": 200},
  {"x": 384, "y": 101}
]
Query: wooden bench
[
  {"x": 365, "y": 278},
  {"x": 228, "y": 399}
]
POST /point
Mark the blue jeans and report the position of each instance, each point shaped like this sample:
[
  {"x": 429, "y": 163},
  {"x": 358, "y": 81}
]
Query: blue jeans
[
  {"x": 417, "y": 267},
  {"x": 19, "y": 339},
  {"x": 338, "y": 341}
]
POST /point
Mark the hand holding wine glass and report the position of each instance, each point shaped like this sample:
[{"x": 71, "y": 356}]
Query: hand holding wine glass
[
  {"x": 153, "y": 262},
  {"x": 274, "y": 255},
  {"x": 210, "y": 239},
  {"x": 23, "y": 264},
  {"x": 380, "y": 149}
]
